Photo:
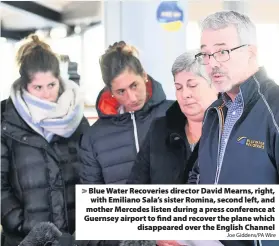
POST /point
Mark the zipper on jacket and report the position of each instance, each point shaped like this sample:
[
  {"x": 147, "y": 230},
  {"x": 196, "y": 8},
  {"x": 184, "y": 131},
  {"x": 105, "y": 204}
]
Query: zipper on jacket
[
  {"x": 135, "y": 130},
  {"x": 220, "y": 160},
  {"x": 205, "y": 117},
  {"x": 219, "y": 163}
]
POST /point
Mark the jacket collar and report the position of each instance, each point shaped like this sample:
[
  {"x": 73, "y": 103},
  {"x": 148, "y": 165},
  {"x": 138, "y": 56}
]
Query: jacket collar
[
  {"x": 107, "y": 106},
  {"x": 16, "y": 128},
  {"x": 176, "y": 120},
  {"x": 250, "y": 88}
]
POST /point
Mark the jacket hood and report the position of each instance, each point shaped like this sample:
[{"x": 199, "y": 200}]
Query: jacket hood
[{"x": 107, "y": 106}]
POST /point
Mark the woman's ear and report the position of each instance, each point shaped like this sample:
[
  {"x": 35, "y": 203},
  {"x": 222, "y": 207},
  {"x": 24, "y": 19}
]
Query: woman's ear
[
  {"x": 110, "y": 90},
  {"x": 145, "y": 77}
]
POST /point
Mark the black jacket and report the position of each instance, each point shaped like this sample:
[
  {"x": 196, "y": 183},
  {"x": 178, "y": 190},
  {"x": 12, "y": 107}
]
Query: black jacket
[
  {"x": 252, "y": 150},
  {"x": 165, "y": 155},
  {"x": 108, "y": 149},
  {"x": 37, "y": 178},
  {"x": 254, "y": 137}
]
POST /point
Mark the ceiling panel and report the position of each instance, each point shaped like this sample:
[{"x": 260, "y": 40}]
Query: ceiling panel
[
  {"x": 58, "y": 5},
  {"x": 15, "y": 19},
  {"x": 72, "y": 13}
]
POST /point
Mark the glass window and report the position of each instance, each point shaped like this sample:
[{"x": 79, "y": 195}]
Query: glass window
[
  {"x": 268, "y": 39},
  {"x": 193, "y": 35},
  {"x": 8, "y": 67},
  {"x": 71, "y": 46}
]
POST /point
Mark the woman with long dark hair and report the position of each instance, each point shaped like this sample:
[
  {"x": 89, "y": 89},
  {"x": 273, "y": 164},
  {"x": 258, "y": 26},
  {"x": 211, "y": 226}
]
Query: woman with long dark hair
[{"x": 41, "y": 127}]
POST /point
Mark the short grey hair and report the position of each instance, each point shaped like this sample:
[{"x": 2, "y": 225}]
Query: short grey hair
[
  {"x": 246, "y": 29},
  {"x": 188, "y": 62}
]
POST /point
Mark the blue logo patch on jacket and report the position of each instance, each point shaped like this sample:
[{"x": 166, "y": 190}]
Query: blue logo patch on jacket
[
  {"x": 250, "y": 143},
  {"x": 242, "y": 140}
]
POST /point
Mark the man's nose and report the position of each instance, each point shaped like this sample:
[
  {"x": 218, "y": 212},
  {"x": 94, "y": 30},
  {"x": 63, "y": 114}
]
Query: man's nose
[{"x": 213, "y": 63}]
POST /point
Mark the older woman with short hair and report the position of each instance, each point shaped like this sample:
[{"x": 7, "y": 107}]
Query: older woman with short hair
[
  {"x": 168, "y": 153},
  {"x": 171, "y": 146}
]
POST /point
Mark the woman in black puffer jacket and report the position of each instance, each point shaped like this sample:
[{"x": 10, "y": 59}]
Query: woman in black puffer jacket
[
  {"x": 127, "y": 105},
  {"x": 41, "y": 127}
]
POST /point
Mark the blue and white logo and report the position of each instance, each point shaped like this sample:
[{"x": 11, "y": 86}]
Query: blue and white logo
[{"x": 170, "y": 15}]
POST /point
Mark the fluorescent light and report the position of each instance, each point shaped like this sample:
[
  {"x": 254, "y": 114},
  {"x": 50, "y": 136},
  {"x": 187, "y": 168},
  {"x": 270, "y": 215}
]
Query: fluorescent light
[{"x": 58, "y": 32}]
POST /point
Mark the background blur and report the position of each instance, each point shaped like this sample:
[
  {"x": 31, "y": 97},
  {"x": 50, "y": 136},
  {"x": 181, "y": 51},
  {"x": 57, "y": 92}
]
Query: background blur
[{"x": 82, "y": 30}]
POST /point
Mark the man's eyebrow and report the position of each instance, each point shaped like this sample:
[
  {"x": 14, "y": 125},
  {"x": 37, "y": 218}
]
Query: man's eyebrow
[{"x": 218, "y": 44}]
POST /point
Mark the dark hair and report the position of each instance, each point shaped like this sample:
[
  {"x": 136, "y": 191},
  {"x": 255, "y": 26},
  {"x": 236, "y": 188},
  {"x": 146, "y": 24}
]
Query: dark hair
[
  {"x": 117, "y": 58},
  {"x": 36, "y": 56}
]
